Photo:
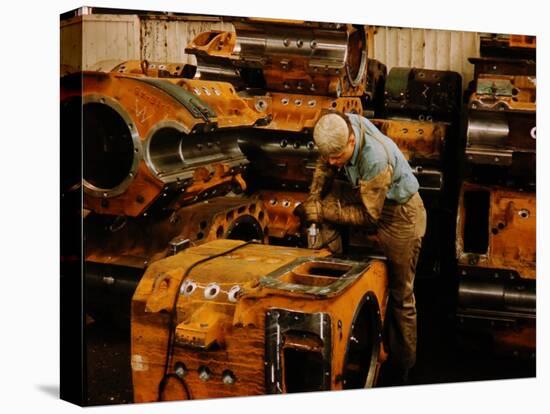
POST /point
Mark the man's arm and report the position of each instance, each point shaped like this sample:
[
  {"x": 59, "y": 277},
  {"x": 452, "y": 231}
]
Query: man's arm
[
  {"x": 373, "y": 194},
  {"x": 311, "y": 209},
  {"x": 322, "y": 177}
]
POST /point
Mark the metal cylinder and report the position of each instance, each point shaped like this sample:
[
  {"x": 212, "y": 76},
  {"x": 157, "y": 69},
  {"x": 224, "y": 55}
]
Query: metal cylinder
[
  {"x": 170, "y": 152},
  {"x": 292, "y": 41},
  {"x": 500, "y": 295},
  {"x": 487, "y": 128}
]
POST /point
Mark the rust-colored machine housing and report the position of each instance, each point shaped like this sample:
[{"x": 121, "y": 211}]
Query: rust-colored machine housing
[
  {"x": 422, "y": 143},
  {"x": 119, "y": 249},
  {"x": 496, "y": 222},
  {"x": 496, "y": 250},
  {"x": 149, "y": 138},
  {"x": 230, "y": 318},
  {"x": 508, "y": 217},
  {"x": 501, "y": 129}
]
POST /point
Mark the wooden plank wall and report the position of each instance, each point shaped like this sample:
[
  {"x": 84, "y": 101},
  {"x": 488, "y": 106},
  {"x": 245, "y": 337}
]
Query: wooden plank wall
[
  {"x": 104, "y": 37},
  {"x": 71, "y": 43},
  {"x": 426, "y": 48}
]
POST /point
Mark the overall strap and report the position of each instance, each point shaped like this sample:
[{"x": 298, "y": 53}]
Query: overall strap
[{"x": 362, "y": 143}]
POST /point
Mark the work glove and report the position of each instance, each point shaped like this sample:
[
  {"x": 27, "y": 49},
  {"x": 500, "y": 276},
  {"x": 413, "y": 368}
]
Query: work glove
[
  {"x": 313, "y": 210},
  {"x": 323, "y": 176},
  {"x": 347, "y": 214},
  {"x": 310, "y": 211}
]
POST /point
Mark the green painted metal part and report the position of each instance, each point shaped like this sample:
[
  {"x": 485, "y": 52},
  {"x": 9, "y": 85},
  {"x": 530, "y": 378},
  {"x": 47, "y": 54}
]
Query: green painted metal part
[
  {"x": 497, "y": 87},
  {"x": 396, "y": 82}
]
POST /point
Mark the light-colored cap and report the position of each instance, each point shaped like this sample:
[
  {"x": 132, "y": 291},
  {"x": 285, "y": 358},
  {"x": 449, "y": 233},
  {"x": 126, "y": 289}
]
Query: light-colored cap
[{"x": 331, "y": 134}]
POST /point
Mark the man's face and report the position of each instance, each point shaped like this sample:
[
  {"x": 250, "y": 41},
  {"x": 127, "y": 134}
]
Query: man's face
[{"x": 340, "y": 159}]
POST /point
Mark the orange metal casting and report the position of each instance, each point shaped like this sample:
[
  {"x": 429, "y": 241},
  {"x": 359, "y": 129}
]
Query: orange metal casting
[
  {"x": 219, "y": 331},
  {"x": 144, "y": 108},
  {"x": 511, "y": 231},
  {"x": 417, "y": 140},
  {"x": 279, "y": 206}
]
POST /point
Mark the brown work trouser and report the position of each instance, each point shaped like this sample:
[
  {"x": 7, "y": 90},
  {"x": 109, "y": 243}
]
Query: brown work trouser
[{"x": 400, "y": 231}]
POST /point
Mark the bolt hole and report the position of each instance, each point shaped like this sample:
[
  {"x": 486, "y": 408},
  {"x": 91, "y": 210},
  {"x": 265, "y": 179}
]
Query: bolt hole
[
  {"x": 524, "y": 213},
  {"x": 180, "y": 369}
]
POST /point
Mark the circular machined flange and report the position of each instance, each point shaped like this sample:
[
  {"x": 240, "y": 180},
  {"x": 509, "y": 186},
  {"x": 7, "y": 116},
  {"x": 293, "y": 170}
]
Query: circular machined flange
[
  {"x": 245, "y": 227},
  {"x": 363, "y": 344},
  {"x": 111, "y": 147},
  {"x": 356, "y": 57}
]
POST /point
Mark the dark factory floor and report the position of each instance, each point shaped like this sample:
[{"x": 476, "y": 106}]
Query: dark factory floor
[{"x": 443, "y": 355}]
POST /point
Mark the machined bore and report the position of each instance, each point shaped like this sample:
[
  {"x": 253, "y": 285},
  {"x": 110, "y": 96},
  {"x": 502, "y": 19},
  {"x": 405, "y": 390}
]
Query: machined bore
[{"x": 111, "y": 147}]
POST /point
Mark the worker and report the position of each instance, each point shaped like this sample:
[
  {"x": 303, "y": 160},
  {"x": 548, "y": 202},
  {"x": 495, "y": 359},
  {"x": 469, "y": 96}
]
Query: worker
[{"x": 383, "y": 195}]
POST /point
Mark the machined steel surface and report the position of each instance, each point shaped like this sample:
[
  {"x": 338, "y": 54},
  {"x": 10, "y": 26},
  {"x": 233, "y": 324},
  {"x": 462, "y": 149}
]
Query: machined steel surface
[
  {"x": 497, "y": 138},
  {"x": 487, "y": 128},
  {"x": 502, "y": 294},
  {"x": 365, "y": 338},
  {"x": 319, "y": 277},
  {"x": 280, "y": 321},
  {"x": 174, "y": 156},
  {"x": 429, "y": 179}
]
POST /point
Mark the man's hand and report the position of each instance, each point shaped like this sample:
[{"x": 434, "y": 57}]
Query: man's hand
[
  {"x": 310, "y": 211},
  {"x": 313, "y": 210}
]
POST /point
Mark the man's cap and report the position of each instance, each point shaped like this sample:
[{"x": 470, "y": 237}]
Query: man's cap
[{"x": 331, "y": 134}]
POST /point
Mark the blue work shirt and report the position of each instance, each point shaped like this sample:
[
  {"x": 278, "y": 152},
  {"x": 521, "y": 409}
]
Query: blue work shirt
[{"x": 375, "y": 160}]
